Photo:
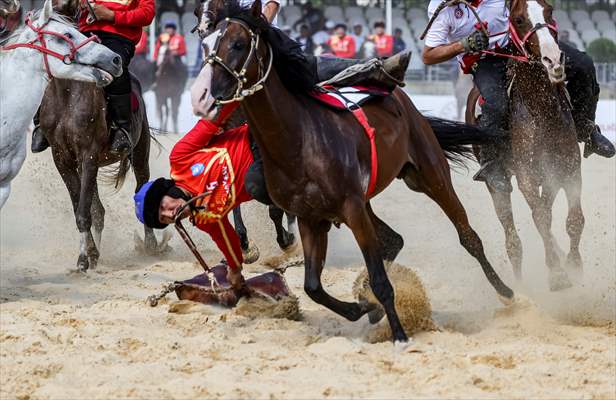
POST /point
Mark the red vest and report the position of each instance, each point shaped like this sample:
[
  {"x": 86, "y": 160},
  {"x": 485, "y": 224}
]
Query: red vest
[
  {"x": 342, "y": 47},
  {"x": 384, "y": 45}
]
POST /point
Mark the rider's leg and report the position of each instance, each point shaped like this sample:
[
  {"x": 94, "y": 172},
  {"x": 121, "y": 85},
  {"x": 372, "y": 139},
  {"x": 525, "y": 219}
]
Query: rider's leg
[
  {"x": 307, "y": 70},
  {"x": 118, "y": 94},
  {"x": 584, "y": 91},
  {"x": 490, "y": 76}
]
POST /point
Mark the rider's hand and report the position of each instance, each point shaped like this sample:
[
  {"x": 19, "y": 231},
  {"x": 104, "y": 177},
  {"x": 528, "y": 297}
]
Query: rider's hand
[
  {"x": 103, "y": 13},
  {"x": 476, "y": 42},
  {"x": 235, "y": 278}
]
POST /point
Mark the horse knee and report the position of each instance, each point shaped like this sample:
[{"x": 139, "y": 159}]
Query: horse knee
[
  {"x": 84, "y": 223},
  {"x": 313, "y": 289}
]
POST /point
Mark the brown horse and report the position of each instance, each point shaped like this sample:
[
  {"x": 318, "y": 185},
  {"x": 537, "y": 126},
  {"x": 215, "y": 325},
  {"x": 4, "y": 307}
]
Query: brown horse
[
  {"x": 318, "y": 161},
  {"x": 545, "y": 156},
  {"x": 171, "y": 77},
  {"x": 74, "y": 119}
]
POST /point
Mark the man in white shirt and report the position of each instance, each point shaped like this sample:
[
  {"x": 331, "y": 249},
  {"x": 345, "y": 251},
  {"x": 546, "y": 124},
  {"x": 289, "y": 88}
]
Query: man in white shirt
[
  {"x": 271, "y": 8},
  {"x": 454, "y": 34}
]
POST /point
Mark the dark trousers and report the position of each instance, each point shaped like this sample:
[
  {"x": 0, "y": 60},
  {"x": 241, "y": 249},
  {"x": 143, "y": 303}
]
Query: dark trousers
[
  {"x": 582, "y": 83},
  {"x": 126, "y": 50},
  {"x": 490, "y": 77}
]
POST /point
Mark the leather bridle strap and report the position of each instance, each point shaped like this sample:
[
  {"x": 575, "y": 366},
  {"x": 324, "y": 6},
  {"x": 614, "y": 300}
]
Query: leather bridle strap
[
  {"x": 67, "y": 59},
  {"x": 240, "y": 77}
]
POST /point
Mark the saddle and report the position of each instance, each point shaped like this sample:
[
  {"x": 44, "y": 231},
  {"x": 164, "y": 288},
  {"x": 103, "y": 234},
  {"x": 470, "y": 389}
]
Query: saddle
[{"x": 351, "y": 98}]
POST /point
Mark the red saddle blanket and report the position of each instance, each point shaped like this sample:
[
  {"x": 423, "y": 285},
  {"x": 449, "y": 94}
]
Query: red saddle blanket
[
  {"x": 351, "y": 99},
  {"x": 345, "y": 98}
]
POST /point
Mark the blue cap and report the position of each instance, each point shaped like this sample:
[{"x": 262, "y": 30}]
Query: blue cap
[
  {"x": 140, "y": 201},
  {"x": 147, "y": 202}
]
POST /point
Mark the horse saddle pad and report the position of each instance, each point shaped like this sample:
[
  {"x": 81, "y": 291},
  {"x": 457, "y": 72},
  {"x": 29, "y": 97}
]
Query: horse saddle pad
[
  {"x": 345, "y": 98},
  {"x": 200, "y": 288}
]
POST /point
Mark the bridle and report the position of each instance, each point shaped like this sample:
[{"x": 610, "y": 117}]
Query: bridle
[
  {"x": 241, "y": 93},
  {"x": 40, "y": 31},
  {"x": 520, "y": 43}
]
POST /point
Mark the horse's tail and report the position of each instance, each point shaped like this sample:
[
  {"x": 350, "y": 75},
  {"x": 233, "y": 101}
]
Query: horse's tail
[
  {"x": 456, "y": 139},
  {"x": 114, "y": 175}
]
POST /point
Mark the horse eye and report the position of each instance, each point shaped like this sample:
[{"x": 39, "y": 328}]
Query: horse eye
[
  {"x": 238, "y": 46},
  {"x": 68, "y": 35},
  {"x": 519, "y": 20}
]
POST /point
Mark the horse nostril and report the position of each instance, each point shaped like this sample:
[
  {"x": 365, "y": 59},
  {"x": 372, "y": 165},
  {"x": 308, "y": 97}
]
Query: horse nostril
[
  {"x": 547, "y": 61},
  {"x": 116, "y": 60}
]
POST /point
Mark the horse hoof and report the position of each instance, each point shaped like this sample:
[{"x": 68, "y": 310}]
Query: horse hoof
[
  {"x": 559, "y": 280},
  {"x": 290, "y": 244},
  {"x": 507, "y": 301},
  {"x": 83, "y": 264},
  {"x": 252, "y": 254},
  {"x": 400, "y": 346}
]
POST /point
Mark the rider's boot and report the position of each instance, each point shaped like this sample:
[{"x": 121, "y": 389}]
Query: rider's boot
[
  {"x": 254, "y": 181},
  {"x": 120, "y": 130},
  {"x": 594, "y": 141},
  {"x": 39, "y": 141},
  {"x": 493, "y": 156},
  {"x": 344, "y": 72}
]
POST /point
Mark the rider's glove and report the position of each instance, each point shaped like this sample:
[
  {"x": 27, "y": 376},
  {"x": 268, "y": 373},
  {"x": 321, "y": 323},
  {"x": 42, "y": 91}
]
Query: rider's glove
[{"x": 476, "y": 42}]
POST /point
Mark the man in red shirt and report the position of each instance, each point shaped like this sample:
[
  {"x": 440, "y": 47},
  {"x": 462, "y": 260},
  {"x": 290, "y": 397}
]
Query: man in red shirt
[
  {"x": 342, "y": 45},
  {"x": 174, "y": 41},
  {"x": 142, "y": 47},
  {"x": 119, "y": 25},
  {"x": 384, "y": 42},
  {"x": 206, "y": 160}
]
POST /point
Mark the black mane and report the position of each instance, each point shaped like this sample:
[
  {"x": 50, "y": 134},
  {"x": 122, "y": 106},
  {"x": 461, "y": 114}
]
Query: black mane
[{"x": 297, "y": 73}]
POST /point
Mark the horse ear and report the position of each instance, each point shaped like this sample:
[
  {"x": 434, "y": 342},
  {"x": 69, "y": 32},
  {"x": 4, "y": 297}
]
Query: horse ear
[
  {"x": 46, "y": 13},
  {"x": 256, "y": 8}
]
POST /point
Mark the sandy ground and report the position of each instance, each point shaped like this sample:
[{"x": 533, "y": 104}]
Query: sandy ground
[{"x": 69, "y": 336}]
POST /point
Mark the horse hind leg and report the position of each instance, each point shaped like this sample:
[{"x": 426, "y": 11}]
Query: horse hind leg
[
  {"x": 98, "y": 218},
  {"x": 285, "y": 238},
  {"x": 439, "y": 188},
  {"x": 391, "y": 242},
  {"x": 513, "y": 244}
]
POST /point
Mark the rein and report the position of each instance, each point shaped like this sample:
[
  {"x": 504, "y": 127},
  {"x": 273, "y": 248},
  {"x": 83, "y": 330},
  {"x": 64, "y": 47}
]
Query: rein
[
  {"x": 67, "y": 59},
  {"x": 519, "y": 43},
  {"x": 240, "y": 77}
]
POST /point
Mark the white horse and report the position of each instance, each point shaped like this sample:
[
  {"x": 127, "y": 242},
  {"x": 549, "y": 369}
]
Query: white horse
[{"x": 47, "y": 46}]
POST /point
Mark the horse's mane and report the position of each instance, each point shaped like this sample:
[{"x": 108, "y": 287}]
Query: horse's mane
[
  {"x": 293, "y": 76},
  {"x": 34, "y": 16}
]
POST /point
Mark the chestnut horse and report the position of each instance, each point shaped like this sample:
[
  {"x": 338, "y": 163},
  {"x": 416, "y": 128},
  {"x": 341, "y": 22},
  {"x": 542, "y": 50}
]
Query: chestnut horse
[
  {"x": 318, "y": 161},
  {"x": 544, "y": 150}
]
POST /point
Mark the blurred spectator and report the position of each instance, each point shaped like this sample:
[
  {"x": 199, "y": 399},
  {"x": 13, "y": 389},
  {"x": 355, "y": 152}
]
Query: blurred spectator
[
  {"x": 563, "y": 37},
  {"x": 342, "y": 45},
  {"x": 358, "y": 36},
  {"x": 399, "y": 44},
  {"x": 312, "y": 17},
  {"x": 174, "y": 41},
  {"x": 142, "y": 46},
  {"x": 384, "y": 42},
  {"x": 9, "y": 23},
  {"x": 322, "y": 37},
  {"x": 305, "y": 39}
]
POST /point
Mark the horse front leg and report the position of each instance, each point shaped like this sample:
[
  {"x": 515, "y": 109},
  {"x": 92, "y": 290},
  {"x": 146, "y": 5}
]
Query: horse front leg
[
  {"x": 541, "y": 209},
  {"x": 575, "y": 223},
  {"x": 357, "y": 217},
  {"x": 250, "y": 251},
  {"x": 513, "y": 244},
  {"x": 88, "y": 252},
  {"x": 314, "y": 243},
  {"x": 5, "y": 191},
  {"x": 285, "y": 239}
]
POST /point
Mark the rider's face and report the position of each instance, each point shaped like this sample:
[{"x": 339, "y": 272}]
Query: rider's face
[{"x": 168, "y": 209}]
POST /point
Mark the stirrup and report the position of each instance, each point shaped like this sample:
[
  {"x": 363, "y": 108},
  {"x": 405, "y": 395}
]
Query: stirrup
[{"x": 360, "y": 73}]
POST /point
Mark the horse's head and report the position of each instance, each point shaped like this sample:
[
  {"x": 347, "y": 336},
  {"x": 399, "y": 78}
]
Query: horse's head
[
  {"x": 237, "y": 61},
  {"x": 206, "y": 12},
  {"x": 65, "y": 51},
  {"x": 534, "y": 33},
  {"x": 8, "y": 7}
]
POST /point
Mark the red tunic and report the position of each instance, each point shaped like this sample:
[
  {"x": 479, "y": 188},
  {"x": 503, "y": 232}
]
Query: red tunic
[
  {"x": 130, "y": 17},
  {"x": 176, "y": 43},
  {"x": 142, "y": 46},
  {"x": 384, "y": 45},
  {"x": 207, "y": 159},
  {"x": 342, "y": 47}
]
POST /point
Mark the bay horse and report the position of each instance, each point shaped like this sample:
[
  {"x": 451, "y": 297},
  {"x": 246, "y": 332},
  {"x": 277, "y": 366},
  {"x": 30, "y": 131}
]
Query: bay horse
[
  {"x": 171, "y": 77},
  {"x": 74, "y": 119},
  {"x": 545, "y": 156},
  {"x": 318, "y": 161},
  {"x": 26, "y": 73}
]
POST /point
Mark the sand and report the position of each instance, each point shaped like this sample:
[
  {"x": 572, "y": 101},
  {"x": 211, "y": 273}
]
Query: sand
[{"x": 70, "y": 336}]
